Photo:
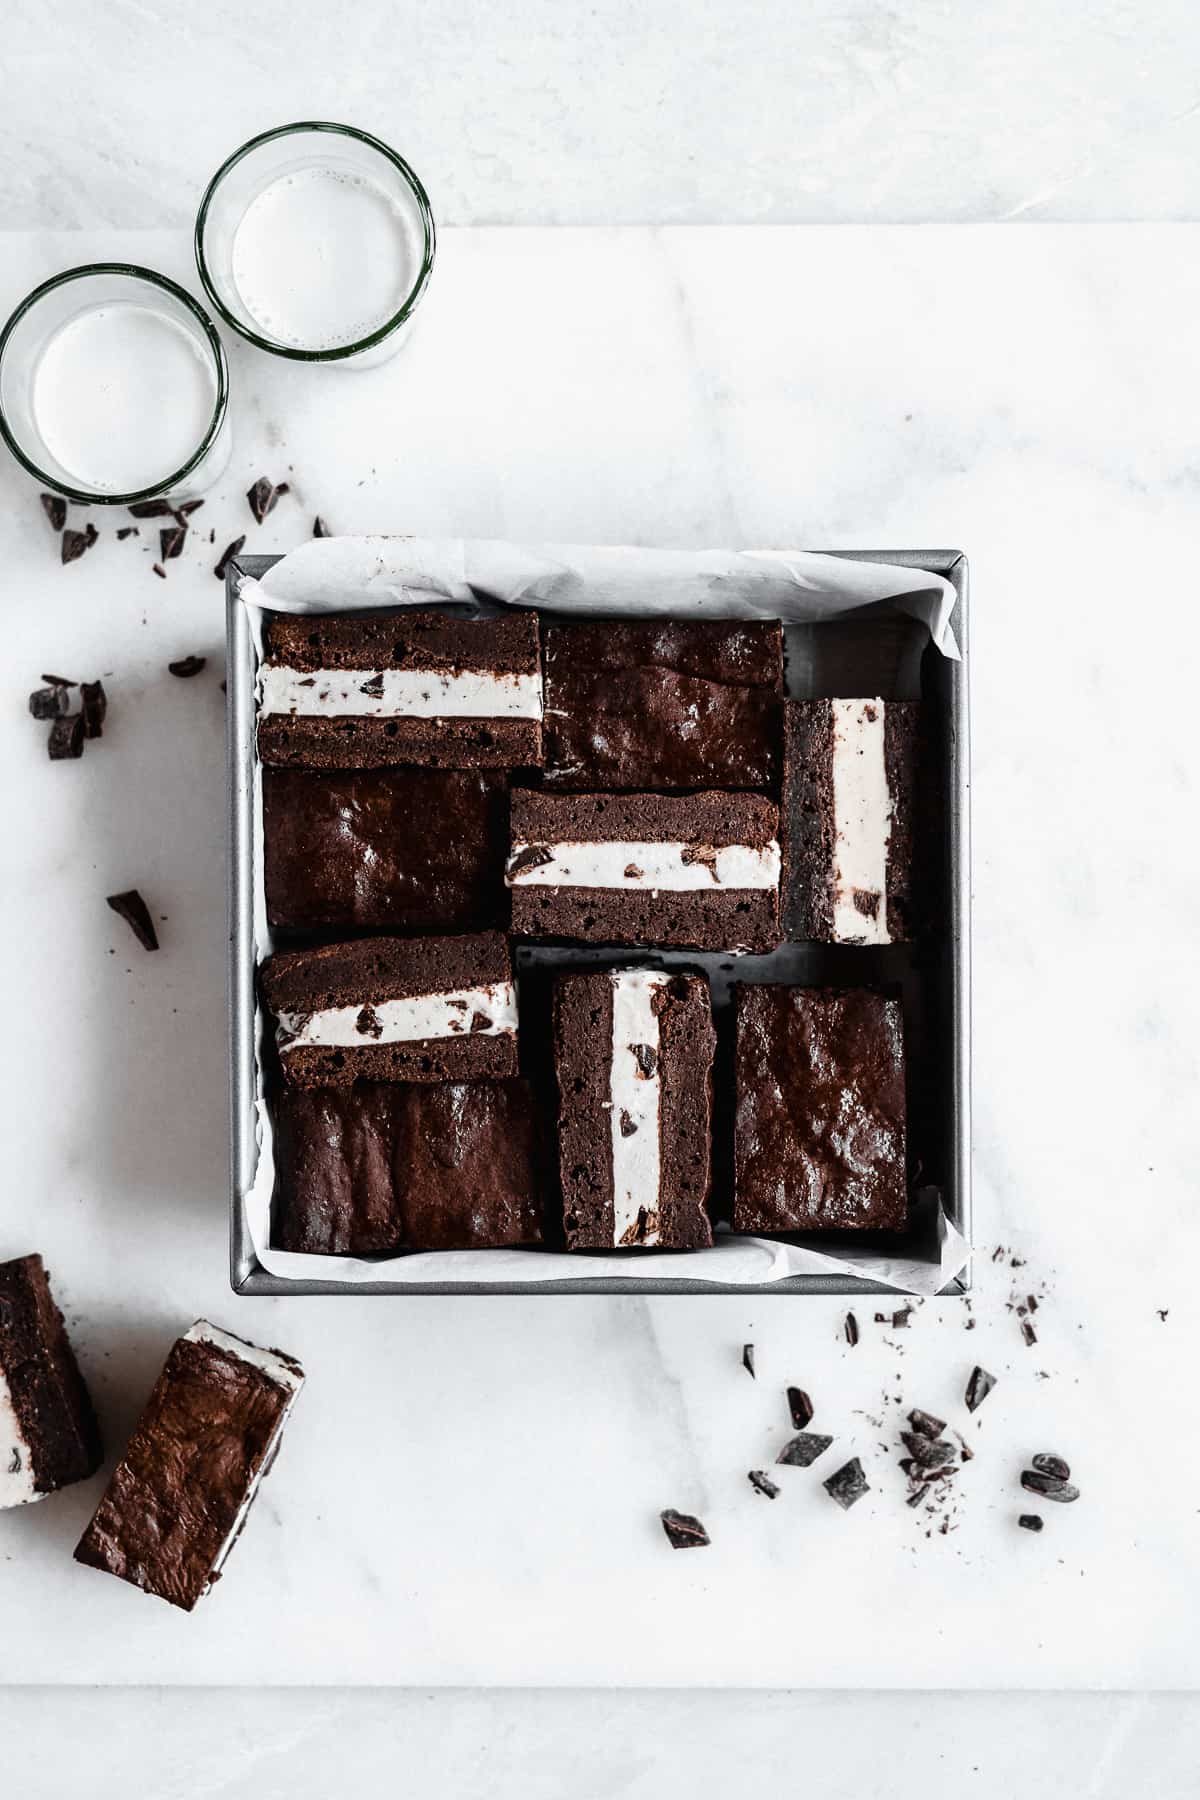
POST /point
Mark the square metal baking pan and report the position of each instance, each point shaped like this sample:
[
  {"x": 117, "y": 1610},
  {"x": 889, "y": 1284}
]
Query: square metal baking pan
[{"x": 946, "y": 985}]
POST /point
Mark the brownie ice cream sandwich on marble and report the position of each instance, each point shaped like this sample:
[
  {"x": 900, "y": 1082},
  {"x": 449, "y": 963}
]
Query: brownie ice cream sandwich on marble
[
  {"x": 633, "y": 1052},
  {"x": 700, "y": 870},
  {"x": 848, "y": 820},
  {"x": 662, "y": 704},
  {"x": 367, "y": 690},
  {"x": 48, "y": 1432},
  {"x": 394, "y": 1009}
]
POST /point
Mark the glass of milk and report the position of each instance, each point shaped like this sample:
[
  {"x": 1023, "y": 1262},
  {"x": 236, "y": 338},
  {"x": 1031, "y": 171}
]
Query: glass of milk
[
  {"x": 316, "y": 241},
  {"x": 114, "y": 387}
]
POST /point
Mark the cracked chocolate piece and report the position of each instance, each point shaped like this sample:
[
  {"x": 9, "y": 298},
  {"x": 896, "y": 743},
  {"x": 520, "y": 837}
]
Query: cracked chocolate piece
[
  {"x": 55, "y": 509},
  {"x": 133, "y": 909},
  {"x": 848, "y": 1484},
  {"x": 49, "y": 703},
  {"x": 227, "y": 555},
  {"x": 1028, "y": 1333},
  {"x": 683, "y": 1530},
  {"x": 747, "y": 1356},
  {"x": 803, "y": 1450},
  {"x": 171, "y": 541},
  {"x": 187, "y": 666},
  {"x": 93, "y": 704},
  {"x": 65, "y": 743},
  {"x": 979, "y": 1386},
  {"x": 74, "y": 543},
  {"x": 127, "y": 531},
  {"x": 186, "y": 508},
  {"x": 48, "y": 1432},
  {"x": 1030, "y": 1522},
  {"x": 929, "y": 1453},
  {"x": 1048, "y": 1487},
  {"x": 800, "y": 1407},
  {"x": 262, "y": 497},
  {"x": 152, "y": 509},
  {"x": 928, "y": 1424},
  {"x": 1046, "y": 1463},
  {"x": 762, "y": 1484}
]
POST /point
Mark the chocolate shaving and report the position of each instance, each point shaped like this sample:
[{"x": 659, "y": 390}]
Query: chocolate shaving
[
  {"x": 65, "y": 742},
  {"x": 49, "y": 702},
  {"x": 803, "y": 1450},
  {"x": 979, "y": 1386},
  {"x": 684, "y": 1531},
  {"x": 851, "y": 1330},
  {"x": 159, "y": 571},
  {"x": 848, "y": 1484},
  {"x": 628, "y": 1128},
  {"x": 171, "y": 540},
  {"x": 93, "y": 702},
  {"x": 761, "y": 1482},
  {"x": 1046, "y": 1463},
  {"x": 125, "y": 531},
  {"x": 55, "y": 509},
  {"x": 187, "y": 666},
  {"x": 74, "y": 543},
  {"x": 320, "y": 528},
  {"x": 186, "y": 508},
  {"x": 748, "y": 1360},
  {"x": 1048, "y": 1487},
  {"x": 152, "y": 509},
  {"x": 133, "y": 909},
  {"x": 800, "y": 1407},
  {"x": 369, "y": 1023},
  {"x": 529, "y": 856},
  {"x": 227, "y": 556},
  {"x": 928, "y": 1424},
  {"x": 1029, "y": 1522},
  {"x": 263, "y": 496},
  {"x": 646, "y": 1059}
]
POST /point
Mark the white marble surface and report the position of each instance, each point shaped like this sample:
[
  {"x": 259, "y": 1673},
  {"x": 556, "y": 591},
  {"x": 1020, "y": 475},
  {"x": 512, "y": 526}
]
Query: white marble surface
[
  {"x": 469, "y": 1491},
  {"x": 637, "y": 111}
]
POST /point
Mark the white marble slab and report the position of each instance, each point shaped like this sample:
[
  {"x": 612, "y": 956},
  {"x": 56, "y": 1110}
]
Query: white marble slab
[{"x": 469, "y": 1490}]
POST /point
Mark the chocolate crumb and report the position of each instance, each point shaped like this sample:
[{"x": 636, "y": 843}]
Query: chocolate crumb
[
  {"x": 848, "y": 1484},
  {"x": 320, "y": 528},
  {"x": 152, "y": 509},
  {"x": 74, "y": 543},
  {"x": 55, "y": 509},
  {"x": 187, "y": 666},
  {"x": 747, "y": 1349},
  {"x": 133, "y": 909},
  {"x": 803, "y": 1450},
  {"x": 632, "y": 872},
  {"x": 171, "y": 540},
  {"x": 159, "y": 571},
  {"x": 1030, "y": 1522},
  {"x": 761, "y": 1482},
  {"x": 979, "y": 1386},
  {"x": 683, "y": 1531},
  {"x": 1046, "y": 1463},
  {"x": 628, "y": 1128},
  {"x": 65, "y": 742},
  {"x": 369, "y": 1023},
  {"x": 928, "y": 1424},
  {"x": 49, "y": 702},
  {"x": 14, "y": 1467},
  {"x": 227, "y": 555},
  {"x": 93, "y": 703},
  {"x": 124, "y": 531},
  {"x": 800, "y": 1407},
  {"x": 263, "y": 496},
  {"x": 851, "y": 1329},
  {"x": 1048, "y": 1487}
]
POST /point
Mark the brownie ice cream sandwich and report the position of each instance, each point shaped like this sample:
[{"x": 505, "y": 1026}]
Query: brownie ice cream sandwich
[
  {"x": 819, "y": 1134},
  {"x": 387, "y": 849},
  {"x": 381, "y": 1167},
  {"x": 179, "y": 1496},
  {"x": 633, "y": 1052},
  {"x": 365, "y": 690},
  {"x": 700, "y": 870},
  {"x": 394, "y": 1009},
  {"x": 662, "y": 705},
  {"x": 849, "y": 780},
  {"x": 48, "y": 1432}
]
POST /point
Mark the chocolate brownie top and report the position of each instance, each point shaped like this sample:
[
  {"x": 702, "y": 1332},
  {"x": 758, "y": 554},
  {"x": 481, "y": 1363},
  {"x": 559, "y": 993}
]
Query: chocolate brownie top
[
  {"x": 403, "y": 638},
  {"x": 709, "y": 819},
  {"x": 175, "y": 1495},
  {"x": 721, "y": 650},
  {"x": 382, "y": 968}
]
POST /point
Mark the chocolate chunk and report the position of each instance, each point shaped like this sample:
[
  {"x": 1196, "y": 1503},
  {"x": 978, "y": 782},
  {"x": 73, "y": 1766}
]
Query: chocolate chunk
[
  {"x": 171, "y": 541},
  {"x": 187, "y": 507},
  {"x": 1028, "y": 1333},
  {"x": 262, "y": 497},
  {"x": 800, "y": 1407},
  {"x": 646, "y": 1059},
  {"x": 802, "y": 1450},
  {"x": 66, "y": 738},
  {"x": 1049, "y": 1487},
  {"x": 49, "y": 702},
  {"x": 900, "y": 1319},
  {"x": 629, "y": 1129},
  {"x": 979, "y": 1386},
  {"x": 133, "y": 909},
  {"x": 747, "y": 1349},
  {"x": 705, "y": 854},
  {"x": 761, "y": 1482},
  {"x": 928, "y": 1453},
  {"x": 369, "y": 1023},
  {"x": 93, "y": 703},
  {"x": 227, "y": 556},
  {"x": 851, "y": 1329},
  {"x": 684, "y": 1532},
  {"x": 1046, "y": 1463},
  {"x": 926, "y": 1423},
  {"x": 58, "y": 681},
  {"x": 866, "y": 901},
  {"x": 125, "y": 531},
  {"x": 152, "y": 509},
  {"x": 187, "y": 666},
  {"x": 159, "y": 571},
  {"x": 55, "y": 509},
  {"x": 848, "y": 1484},
  {"x": 74, "y": 543},
  {"x": 373, "y": 688},
  {"x": 533, "y": 856},
  {"x": 1029, "y": 1522},
  {"x": 480, "y": 1022},
  {"x": 632, "y": 872},
  {"x": 320, "y": 528}
]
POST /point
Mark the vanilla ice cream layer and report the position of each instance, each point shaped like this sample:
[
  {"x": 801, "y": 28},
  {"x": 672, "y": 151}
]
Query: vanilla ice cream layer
[
  {"x": 655, "y": 866},
  {"x": 403, "y": 1021},
  {"x": 398, "y": 694},
  {"x": 862, "y": 816},
  {"x": 636, "y": 1098},
  {"x": 16, "y": 1463}
]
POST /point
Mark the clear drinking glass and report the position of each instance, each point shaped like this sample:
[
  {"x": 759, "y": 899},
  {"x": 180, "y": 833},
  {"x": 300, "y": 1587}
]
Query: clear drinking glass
[
  {"x": 316, "y": 241},
  {"x": 114, "y": 387}
]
